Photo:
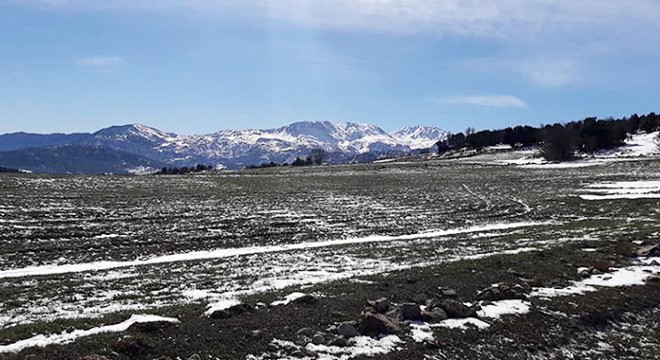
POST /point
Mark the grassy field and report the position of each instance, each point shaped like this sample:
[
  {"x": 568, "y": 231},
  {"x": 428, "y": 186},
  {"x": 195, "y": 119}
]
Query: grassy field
[{"x": 82, "y": 251}]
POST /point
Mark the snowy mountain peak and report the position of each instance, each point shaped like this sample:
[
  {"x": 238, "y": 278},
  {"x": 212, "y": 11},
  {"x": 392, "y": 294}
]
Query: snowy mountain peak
[
  {"x": 419, "y": 136},
  {"x": 133, "y": 130}
]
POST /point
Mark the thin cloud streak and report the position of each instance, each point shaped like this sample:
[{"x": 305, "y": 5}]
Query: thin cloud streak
[
  {"x": 99, "y": 61},
  {"x": 500, "y": 101},
  {"x": 484, "y": 18}
]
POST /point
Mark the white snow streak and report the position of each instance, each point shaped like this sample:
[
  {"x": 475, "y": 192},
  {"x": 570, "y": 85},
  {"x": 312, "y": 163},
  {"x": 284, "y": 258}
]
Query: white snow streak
[
  {"x": 231, "y": 252},
  {"x": 67, "y": 337}
]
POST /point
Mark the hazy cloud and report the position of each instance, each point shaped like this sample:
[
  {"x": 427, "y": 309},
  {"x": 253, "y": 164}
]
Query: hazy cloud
[
  {"x": 486, "y": 18},
  {"x": 487, "y": 100},
  {"x": 100, "y": 61}
]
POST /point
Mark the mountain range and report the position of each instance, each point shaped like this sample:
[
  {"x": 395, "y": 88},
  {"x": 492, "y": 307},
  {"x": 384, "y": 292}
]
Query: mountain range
[{"x": 122, "y": 149}]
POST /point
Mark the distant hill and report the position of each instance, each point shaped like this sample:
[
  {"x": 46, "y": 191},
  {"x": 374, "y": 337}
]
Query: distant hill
[
  {"x": 343, "y": 142},
  {"x": 75, "y": 159}
]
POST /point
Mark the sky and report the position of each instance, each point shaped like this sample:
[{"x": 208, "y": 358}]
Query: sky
[{"x": 200, "y": 66}]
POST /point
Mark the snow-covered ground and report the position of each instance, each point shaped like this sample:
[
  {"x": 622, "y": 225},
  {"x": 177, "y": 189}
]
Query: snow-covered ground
[
  {"x": 70, "y": 336},
  {"x": 638, "y": 146},
  {"x": 622, "y": 190}
]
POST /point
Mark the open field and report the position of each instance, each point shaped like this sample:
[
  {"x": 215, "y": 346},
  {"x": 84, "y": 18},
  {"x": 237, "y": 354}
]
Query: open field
[{"x": 79, "y": 252}]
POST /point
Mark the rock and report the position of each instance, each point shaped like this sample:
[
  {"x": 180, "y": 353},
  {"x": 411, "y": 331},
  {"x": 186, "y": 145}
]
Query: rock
[
  {"x": 503, "y": 291},
  {"x": 347, "y": 330},
  {"x": 653, "y": 280},
  {"x": 434, "y": 315},
  {"x": 152, "y": 326},
  {"x": 231, "y": 311},
  {"x": 583, "y": 272},
  {"x": 306, "y": 299},
  {"x": 596, "y": 272},
  {"x": 534, "y": 282},
  {"x": 373, "y": 324},
  {"x": 411, "y": 311},
  {"x": 306, "y": 332},
  {"x": 318, "y": 339},
  {"x": 515, "y": 272},
  {"x": 381, "y": 305},
  {"x": 649, "y": 250},
  {"x": 297, "y": 353},
  {"x": 449, "y": 293},
  {"x": 339, "y": 341},
  {"x": 272, "y": 347},
  {"x": 93, "y": 357},
  {"x": 602, "y": 266},
  {"x": 195, "y": 357},
  {"x": 457, "y": 310}
]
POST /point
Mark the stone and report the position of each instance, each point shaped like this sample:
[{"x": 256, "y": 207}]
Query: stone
[
  {"x": 373, "y": 324},
  {"x": 411, "y": 311},
  {"x": 457, "y": 310},
  {"x": 347, "y": 330},
  {"x": 381, "y": 305},
  {"x": 305, "y": 300},
  {"x": 602, "y": 266},
  {"x": 318, "y": 339},
  {"x": 503, "y": 291},
  {"x": 306, "y": 332},
  {"x": 339, "y": 341},
  {"x": 297, "y": 353},
  {"x": 649, "y": 250},
  {"x": 231, "y": 311},
  {"x": 434, "y": 315},
  {"x": 195, "y": 357},
  {"x": 449, "y": 293}
]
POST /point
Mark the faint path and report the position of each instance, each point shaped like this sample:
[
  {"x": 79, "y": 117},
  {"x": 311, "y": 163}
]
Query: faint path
[{"x": 489, "y": 205}]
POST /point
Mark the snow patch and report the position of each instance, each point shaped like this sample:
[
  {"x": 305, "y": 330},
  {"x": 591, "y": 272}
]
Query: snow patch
[
  {"x": 231, "y": 252},
  {"x": 504, "y": 307},
  {"x": 288, "y": 299},
  {"x": 67, "y": 337}
]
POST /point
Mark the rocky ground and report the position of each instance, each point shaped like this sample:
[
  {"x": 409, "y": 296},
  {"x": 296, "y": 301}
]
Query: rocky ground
[{"x": 400, "y": 315}]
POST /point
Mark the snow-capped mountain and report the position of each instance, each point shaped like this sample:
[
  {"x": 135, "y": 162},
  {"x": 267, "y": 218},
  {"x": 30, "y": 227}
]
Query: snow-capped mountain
[{"x": 237, "y": 148}]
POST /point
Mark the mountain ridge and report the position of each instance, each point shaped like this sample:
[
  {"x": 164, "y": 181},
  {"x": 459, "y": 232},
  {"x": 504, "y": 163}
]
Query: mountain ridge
[{"x": 342, "y": 141}]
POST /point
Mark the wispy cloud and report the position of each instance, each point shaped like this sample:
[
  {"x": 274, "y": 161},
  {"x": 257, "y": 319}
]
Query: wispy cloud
[
  {"x": 501, "y": 101},
  {"x": 99, "y": 61},
  {"x": 485, "y": 18}
]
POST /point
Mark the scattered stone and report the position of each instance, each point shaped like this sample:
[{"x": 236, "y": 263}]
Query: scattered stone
[
  {"x": 272, "y": 347},
  {"x": 449, "y": 293},
  {"x": 381, "y": 305},
  {"x": 584, "y": 272},
  {"x": 347, "y": 330},
  {"x": 373, "y": 324},
  {"x": 602, "y": 266},
  {"x": 515, "y": 272},
  {"x": 649, "y": 250},
  {"x": 306, "y": 332},
  {"x": 231, "y": 311},
  {"x": 152, "y": 326},
  {"x": 339, "y": 341},
  {"x": 503, "y": 291},
  {"x": 455, "y": 309},
  {"x": 195, "y": 357},
  {"x": 318, "y": 339},
  {"x": 653, "y": 280},
  {"x": 534, "y": 282},
  {"x": 411, "y": 311},
  {"x": 434, "y": 315},
  {"x": 596, "y": 272},
  {"x": 306, "y": 299},
  {"x": 297, "y": 353}
]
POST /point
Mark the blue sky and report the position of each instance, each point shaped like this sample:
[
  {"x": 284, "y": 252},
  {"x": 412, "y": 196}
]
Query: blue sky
[{"x": 200, "y": 66}]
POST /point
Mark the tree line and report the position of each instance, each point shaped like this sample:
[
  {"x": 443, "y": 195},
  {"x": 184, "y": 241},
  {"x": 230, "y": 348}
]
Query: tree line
[
  {"x": 558, "y": 141},
  {"x": 184, "y": 170}
]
